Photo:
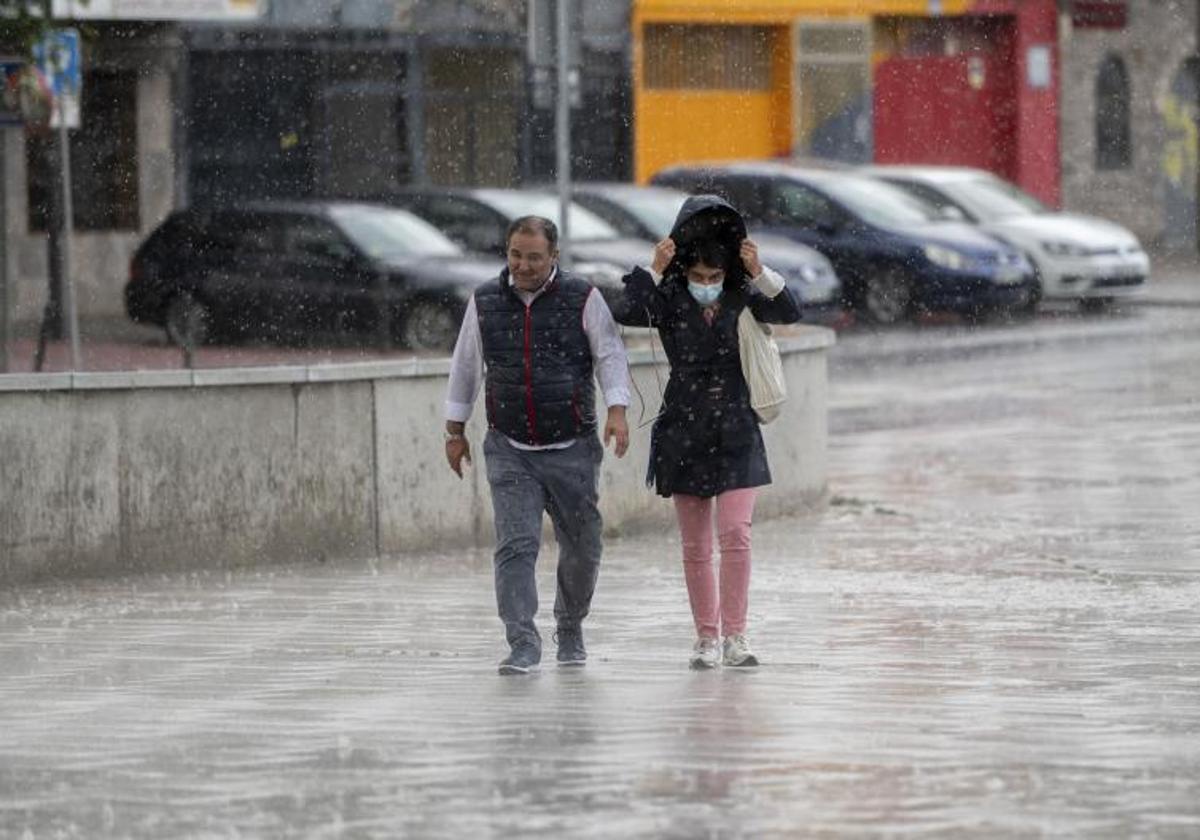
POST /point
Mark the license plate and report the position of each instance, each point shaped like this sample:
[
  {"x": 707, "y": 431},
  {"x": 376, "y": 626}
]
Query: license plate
[{"x": 1008, "y": 276}]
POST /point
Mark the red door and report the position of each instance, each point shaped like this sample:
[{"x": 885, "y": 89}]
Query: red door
[{"x": 957, "y": 109}]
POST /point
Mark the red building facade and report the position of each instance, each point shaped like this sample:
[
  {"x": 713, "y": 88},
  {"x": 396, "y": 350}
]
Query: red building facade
[{"x": 978, "y": 89}]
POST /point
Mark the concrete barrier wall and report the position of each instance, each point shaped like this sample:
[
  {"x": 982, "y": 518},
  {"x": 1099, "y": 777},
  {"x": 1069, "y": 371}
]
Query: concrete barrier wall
[{"x": 111, "y": 473}]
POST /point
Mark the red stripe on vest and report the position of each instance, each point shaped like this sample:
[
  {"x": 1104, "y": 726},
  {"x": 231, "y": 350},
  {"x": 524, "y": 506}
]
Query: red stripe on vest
[{"x": 530, "y": 415}]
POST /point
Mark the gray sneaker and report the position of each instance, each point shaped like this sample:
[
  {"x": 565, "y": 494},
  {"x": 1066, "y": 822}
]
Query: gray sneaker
[
  {"x": 571, "y": 652},
  {"x": 705, "y": 654},
  {"x": 522, "y": 660},
  {"x": 736, "y": 652}
]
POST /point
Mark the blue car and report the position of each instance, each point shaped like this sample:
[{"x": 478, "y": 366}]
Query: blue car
[{"x": 895, "y": 255}]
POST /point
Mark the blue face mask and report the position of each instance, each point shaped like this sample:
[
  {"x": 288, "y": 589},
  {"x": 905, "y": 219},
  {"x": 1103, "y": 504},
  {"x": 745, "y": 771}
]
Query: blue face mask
[{"x": 705, "y": 294}]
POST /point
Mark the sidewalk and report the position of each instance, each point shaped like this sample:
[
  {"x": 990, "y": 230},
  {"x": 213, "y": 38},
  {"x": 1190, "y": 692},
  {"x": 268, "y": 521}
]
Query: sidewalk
[
  {"x": 990, "y": 632},
  {"x": 119, "y": 344},
  {"x": 1174, "y": 281}
]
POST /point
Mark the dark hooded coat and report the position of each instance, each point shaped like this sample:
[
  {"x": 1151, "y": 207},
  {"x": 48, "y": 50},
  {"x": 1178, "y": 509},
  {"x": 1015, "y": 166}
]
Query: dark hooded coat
[{"x": 706, "y": 438}]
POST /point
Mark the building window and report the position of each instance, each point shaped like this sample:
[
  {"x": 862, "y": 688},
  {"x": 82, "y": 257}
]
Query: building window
[
  {"x": 472, "y": 114},
  {"x": 1114, "y": 150},
  {"x": 832, "y": 103},
  {"x": 104, "y": 167},
  {"x": 708, "y": 57}
]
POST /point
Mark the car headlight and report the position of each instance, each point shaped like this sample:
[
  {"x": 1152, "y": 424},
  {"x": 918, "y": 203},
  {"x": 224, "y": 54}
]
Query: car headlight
[
  {"x": 946, "y": 257},
  {"x": 1065, "y": 249}
]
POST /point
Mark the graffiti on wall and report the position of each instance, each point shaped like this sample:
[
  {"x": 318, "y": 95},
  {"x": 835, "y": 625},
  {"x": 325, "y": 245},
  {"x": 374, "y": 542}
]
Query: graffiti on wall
[{"x": 1177, "y": 110}]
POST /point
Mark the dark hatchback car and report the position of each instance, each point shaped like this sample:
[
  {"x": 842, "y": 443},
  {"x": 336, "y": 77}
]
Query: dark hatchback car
[
  {"x": 894, "y": 254},
  {"x": 291, "y": 271}
]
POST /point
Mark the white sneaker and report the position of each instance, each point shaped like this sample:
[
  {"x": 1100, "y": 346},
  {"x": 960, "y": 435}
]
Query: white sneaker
[
  {"x": 736, "y": 652},
  {"x": 705, "y": 654}
]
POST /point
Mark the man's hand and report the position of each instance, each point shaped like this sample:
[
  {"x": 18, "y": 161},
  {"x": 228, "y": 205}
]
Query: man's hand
[
  {"x": 749, "y": 255},
  {"x": 664, "y": 252},
  {"x": 457, "y": 447},
  {"x": 616, "y": 427},
  {"x": 457, "y": 451}
]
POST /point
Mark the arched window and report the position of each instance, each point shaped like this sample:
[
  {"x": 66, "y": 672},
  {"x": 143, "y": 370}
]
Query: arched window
[{"x": 1114, "y": 150}]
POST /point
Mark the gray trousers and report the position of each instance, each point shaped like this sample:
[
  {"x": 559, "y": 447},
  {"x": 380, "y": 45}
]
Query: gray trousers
[{"x": 565, "y": 484}]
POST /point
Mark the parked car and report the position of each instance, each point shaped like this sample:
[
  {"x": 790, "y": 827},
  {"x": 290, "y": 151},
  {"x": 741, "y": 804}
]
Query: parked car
[
  {"x": 649, "y": 212},
  {"x": 891, "y": 252},
  {"x": 1078, "y": 258},
  {"x": 478, "y": 219},
  {"x": 283, "y": 270}
]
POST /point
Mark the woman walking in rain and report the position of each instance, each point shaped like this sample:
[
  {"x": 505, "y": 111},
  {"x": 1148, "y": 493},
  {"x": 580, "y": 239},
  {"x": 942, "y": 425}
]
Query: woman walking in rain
[{"x": 706, "y": 451}]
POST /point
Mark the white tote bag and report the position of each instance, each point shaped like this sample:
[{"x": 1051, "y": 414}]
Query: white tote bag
[{"x": 762, "y": 367}]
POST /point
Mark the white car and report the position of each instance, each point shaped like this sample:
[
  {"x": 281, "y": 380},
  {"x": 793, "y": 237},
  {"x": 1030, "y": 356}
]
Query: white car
[{"x": 1078, "y": 258}]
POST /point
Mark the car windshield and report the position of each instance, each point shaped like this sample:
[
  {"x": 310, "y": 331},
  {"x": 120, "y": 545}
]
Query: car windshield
[
  {"x": 383, "y": 233},
  {"x": 656, "y": 210},
  {"x": 584, "y": 223},
  {"x": 991, "y": 199},
  {"x": 876, "y": 202}
]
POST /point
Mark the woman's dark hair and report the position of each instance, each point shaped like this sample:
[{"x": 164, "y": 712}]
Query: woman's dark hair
[{"x": 711, "y": 252}]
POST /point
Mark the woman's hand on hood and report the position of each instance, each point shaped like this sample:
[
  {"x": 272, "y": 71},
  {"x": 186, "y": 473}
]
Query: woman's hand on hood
[
  {"x": 664, "y": 252},
  {"x": 749, "y": 254}
]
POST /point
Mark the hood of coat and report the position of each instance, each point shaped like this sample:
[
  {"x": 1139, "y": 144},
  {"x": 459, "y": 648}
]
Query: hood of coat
[{"x": 703, "y": 218}]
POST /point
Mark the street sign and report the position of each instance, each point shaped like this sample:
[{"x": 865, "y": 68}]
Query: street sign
[
  {"x": 57, "y": 56},
  {"x": 25, "y": 99},
  {"x": 10, "y": 92}
]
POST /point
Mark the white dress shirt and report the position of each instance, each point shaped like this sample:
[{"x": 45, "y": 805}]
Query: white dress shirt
[{"x": 608, "y": 359}]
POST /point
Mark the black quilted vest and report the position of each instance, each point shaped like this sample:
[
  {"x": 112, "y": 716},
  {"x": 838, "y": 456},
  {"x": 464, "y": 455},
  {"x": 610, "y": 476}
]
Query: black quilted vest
[{"x": 538, "y": 388}]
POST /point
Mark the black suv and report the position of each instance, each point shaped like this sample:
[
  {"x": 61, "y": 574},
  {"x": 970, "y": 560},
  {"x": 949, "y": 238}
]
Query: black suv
[{"x": 300, "y": 270}]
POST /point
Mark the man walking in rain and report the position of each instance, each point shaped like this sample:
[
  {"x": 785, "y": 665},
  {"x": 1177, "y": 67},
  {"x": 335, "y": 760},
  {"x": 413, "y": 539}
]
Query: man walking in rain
[{"x": 534, "y": 338}]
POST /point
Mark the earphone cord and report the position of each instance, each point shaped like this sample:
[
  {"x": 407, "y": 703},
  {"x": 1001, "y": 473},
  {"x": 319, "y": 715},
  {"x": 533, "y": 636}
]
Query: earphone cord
[{"x": 642, "y": 421}]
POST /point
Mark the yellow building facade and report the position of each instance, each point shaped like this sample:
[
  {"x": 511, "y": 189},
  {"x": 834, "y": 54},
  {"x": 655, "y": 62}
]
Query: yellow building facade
[{"x": 731, "y": 79}]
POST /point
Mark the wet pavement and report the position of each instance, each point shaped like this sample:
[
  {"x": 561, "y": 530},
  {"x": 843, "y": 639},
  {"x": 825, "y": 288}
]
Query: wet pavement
[
  {"x": 122, "y": 345},
  {"x": 991, "y": 631}
]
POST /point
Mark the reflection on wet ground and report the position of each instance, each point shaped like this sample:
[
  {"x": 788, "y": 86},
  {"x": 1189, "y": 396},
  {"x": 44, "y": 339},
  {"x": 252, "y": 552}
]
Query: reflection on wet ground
[{"x": 990, "y": 631}]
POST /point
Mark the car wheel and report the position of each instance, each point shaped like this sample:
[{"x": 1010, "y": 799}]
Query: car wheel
[
  {"x": 430, "y": 325},
  {"x": 887, "y": 296},
  {"x": 1027, "y": 308},
  {"x": 189, "y": 321}
]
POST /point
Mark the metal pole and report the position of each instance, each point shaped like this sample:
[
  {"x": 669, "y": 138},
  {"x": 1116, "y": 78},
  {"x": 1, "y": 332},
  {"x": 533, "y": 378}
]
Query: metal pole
[
  {"x": 562, "y": 133},
  {"x": 52, "y": 313},
  {"x": 68, "y": 221},
  {"x": 414, "y": 110},
  {"x": 3, "y": 254}
]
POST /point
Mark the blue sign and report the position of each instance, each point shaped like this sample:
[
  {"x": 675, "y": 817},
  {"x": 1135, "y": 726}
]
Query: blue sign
[{"x": 57, "y": 56}]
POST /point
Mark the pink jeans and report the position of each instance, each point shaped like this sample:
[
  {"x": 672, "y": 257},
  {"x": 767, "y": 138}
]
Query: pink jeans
[{"x": 717, "y": 608}]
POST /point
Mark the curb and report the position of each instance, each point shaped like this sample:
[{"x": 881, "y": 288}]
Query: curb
[{"x": 1189, "y": 303}]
